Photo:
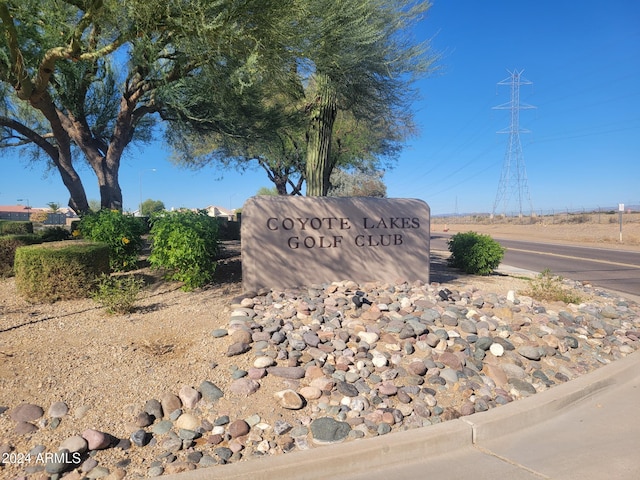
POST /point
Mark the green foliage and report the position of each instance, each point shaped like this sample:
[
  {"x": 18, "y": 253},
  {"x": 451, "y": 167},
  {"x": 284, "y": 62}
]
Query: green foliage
[
  {"x": 349, "y": 80},
  {"x": 228, "y": 229},
  {"x": 270, "y": 191},
  {"x": 185, "y": 244},
  {"x": 150, "y": 207},
  {"x": 548, "y": 287},
  {"x": 8, "y": 246},
  {"x": 59, "y": 270},
  {"x": 357, "y": 183},
  {"x": 90, "y": 56},
  {"x": 123, "y": 234},
  {"x": 55, "y": 234},
  {"x": 117, "y": 294},
  {"x": 364, "y": 62},
  {"x": 15, "y": 228},
  {"x": 475, "y": 253}
]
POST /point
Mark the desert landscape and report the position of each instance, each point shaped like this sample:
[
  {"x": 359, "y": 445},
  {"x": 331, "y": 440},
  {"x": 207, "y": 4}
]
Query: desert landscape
[
  {"x": 87, "y": 370},
  {"x": 598, "y": 229}
]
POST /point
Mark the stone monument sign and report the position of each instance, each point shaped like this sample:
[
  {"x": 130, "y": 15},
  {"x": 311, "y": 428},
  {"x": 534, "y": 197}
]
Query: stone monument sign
[{"x": 298, "y": 241}]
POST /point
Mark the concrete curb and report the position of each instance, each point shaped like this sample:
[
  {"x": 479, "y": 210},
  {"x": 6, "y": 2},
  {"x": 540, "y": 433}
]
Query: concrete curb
[
  {"x": 370, "y": 455},
  {"x": 537, "y": 408}
]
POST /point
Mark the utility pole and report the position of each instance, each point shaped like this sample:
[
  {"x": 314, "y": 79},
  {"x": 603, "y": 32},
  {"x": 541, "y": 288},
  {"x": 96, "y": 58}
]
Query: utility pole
[{"x": 513, "y": 179}]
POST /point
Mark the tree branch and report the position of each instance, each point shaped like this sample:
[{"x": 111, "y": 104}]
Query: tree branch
[
  {"x": 19, "y": 76},
  {"x": 30, "y": 135}
]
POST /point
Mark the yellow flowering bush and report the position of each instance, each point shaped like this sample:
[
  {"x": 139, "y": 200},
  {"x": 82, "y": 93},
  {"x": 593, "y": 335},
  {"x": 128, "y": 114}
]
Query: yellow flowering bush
[{"x": 123, "y": 234}]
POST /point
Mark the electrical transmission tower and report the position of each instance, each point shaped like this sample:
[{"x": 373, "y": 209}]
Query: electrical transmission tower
[{"x": 513, "y": 179}]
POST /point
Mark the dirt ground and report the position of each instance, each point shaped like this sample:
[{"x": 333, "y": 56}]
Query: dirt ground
[
  {"x": 597, "y": 231},
  {"x": 105, "y": 367}
]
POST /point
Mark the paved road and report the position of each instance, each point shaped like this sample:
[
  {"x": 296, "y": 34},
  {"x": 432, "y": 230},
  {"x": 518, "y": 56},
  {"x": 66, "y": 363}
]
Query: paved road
[{"x": 617, "y": 270}]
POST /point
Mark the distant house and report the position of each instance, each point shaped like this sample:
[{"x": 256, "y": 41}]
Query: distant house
[
  {"x": 21, "y": 213},
  {"x": 18, "y": 213},
  {"x": 220, "y": 212}
]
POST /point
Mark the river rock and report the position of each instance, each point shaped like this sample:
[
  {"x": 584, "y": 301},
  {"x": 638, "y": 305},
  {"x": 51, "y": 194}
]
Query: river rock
[
  {"x": 140, "y": 438},
  {"x": 263, "y": 361},
  {"x": 238, "y": 428},
  {"x": 530, "y": 352},
  {"x": 26, "y": 412},
  {"x": 496, "y": 349},
  {"x": 310, "y": 392},
  {"x": 154, "y": 408},
  {"x": 189, "y": 396},
  {"x": 24, "y": 428},
  {"x": 170, "y": 403},
  {"x": 58, "y": 409},
  {"x": 244, "y": 386},
  {"x": 291, "y": 373},
  {"x": 210, "y": 391},
  {"x": 96, "y": 440},
  {"x": 144, "y": 419},
  {"x": 238, "y": 348},
  {"x": 289, "y": 399},
  {"x": 328, "y": 430},
  {"x": 75, "y": 443},
  {"x": 187, "y": 421},
  {"x": 61, "y": 463}
]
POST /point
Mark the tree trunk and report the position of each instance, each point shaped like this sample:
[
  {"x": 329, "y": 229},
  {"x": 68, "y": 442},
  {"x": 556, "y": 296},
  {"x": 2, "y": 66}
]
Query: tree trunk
[
  {"x": 110, "y": 191},
  {"x": 105, "y": 165},
  {"x": 77, "y": 196},
  {"x": 319, "y": 165},
  {"x": 281, "y": 185},
  {"x": 61, "y": 154}
]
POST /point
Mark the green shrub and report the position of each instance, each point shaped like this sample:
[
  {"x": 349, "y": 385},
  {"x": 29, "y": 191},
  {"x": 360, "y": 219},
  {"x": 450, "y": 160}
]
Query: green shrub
[
  {"x": 123, "y": 234},
  {"x": 55, "y": 234},
  {"x": 8, "y": 246},
  {"x": 117, "y": 294},
  {"x": 228, "y": 229},
  {"x": 59, "y": 270},
  {"x": 11, "y": 227},
  {"x": 548, "y": 287},
  {"x": 185, "y": 244},
  {"x": 474, "y": 253}
]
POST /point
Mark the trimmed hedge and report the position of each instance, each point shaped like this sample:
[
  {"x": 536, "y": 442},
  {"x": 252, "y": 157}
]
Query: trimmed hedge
[
  {"x": 8, "y": 246},
  {"x": 59, "y": 270},
  {"x": 11, "y": 227}
]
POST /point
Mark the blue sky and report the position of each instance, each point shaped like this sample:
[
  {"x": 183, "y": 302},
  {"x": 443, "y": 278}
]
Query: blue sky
[{"x": 583, "y": 152}]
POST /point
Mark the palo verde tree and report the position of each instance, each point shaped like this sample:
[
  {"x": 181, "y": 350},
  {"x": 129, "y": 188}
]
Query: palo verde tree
[
  {"x": 357, "y": 183},
  {"x": 360, "y": 59},
  {"x": 278, "y": 150},
  {"x": 342, "y": 99},
  {"x": 90, "y": 78},
  {"x": 259, "y": 124}
]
